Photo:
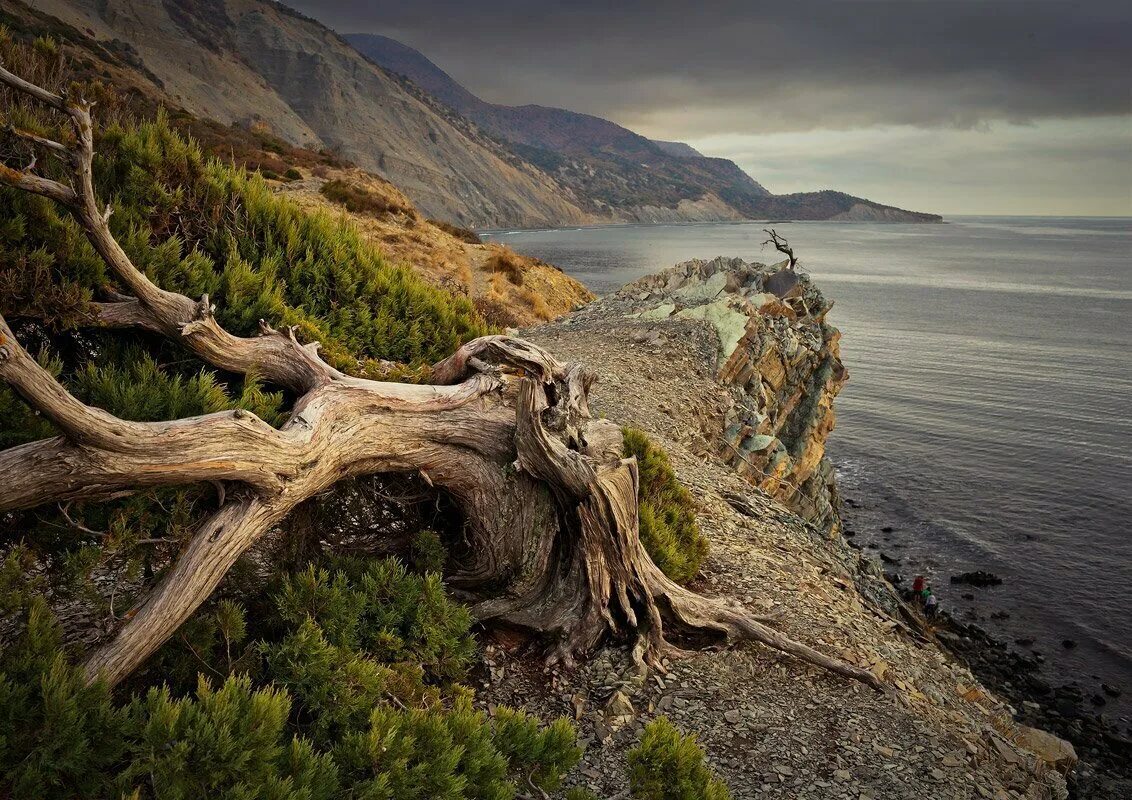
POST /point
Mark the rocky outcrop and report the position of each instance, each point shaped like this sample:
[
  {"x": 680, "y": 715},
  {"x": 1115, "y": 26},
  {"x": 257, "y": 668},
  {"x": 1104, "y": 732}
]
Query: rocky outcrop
[
  {"x": 777, "y": 357},
  {"x": 771, "y": 726}
]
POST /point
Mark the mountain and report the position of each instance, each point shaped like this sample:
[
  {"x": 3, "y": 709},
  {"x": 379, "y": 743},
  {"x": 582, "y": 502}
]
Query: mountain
[
  {"x": 259, "y": 65},
  {"x": 256, "y": 63},
  {"x": 678, "y": 149},
  {"x": 613, "y": 171},
  {"x": 506, "y": 288}
]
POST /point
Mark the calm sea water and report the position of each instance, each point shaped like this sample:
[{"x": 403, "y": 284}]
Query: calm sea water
[{"x": 988, "y": 416}]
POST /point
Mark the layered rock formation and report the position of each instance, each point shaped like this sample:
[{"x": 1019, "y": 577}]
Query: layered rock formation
[{"x": 778, "y": 358}]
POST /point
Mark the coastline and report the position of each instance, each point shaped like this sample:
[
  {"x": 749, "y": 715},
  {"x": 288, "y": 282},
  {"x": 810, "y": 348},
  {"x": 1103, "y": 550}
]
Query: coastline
[
  {"x": 978, "y": 334},
  {"x": 1064, "y": 709}
]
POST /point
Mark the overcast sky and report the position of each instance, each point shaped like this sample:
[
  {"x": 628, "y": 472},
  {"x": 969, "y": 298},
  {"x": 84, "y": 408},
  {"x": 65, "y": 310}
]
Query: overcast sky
[{"x": 988, "y": 107}]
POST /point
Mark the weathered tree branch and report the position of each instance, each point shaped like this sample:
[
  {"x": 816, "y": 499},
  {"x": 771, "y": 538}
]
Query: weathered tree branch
[{"x": 213, "y": 550}]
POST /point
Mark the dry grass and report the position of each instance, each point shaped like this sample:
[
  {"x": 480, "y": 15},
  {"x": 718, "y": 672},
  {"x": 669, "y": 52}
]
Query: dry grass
[
  {"x": 363, "y": 199},
  {"x": 465, "y": 235},
  {"x": 497, "y": 312},
  {"x": 507, "y": 263},
  {"x": 538, "y": 305},
  {"x": 509, "y": 290}
]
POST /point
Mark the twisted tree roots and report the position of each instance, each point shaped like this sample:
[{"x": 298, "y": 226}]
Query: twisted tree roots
[{"x": 504, "y": 429}]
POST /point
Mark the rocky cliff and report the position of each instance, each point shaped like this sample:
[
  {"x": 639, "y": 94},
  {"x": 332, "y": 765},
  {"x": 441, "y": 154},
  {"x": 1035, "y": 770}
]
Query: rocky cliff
[
  {"x": 687, "y": 356},
  {"x": 778, "y": 359}
]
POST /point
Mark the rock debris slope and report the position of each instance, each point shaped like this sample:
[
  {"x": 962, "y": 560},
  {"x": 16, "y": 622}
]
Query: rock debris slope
[{"x": 772, "y": 726}]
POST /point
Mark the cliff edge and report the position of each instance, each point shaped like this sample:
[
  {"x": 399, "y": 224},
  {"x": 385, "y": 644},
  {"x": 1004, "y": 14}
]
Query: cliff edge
[
  {"x": 777, "y": 359},
  {"x": 678, "y": 354}
]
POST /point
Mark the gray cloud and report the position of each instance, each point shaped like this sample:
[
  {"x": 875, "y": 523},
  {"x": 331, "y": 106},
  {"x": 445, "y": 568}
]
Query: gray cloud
[
  {"x": 968, "y": 106},
  {"x": 773, "y": 67}
]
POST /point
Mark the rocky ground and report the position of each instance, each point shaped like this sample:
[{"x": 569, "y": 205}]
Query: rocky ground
[{"x": 771, "y": 726}]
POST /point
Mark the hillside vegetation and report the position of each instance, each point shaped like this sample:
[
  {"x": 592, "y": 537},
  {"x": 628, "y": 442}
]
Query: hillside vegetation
[
  {"x": 507, "y": 288},
  {"x": 309, "y": 674}
]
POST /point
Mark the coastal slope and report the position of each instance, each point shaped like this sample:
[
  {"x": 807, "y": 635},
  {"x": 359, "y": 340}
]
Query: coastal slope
[
  {"x": 256, "y": 63},
  {"x": 507, "y": 288},
  {"x": 772, "y": 726}
]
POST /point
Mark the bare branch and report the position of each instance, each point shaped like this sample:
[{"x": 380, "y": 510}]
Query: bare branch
[
  {"x": 28, "y": 182},
  {"x": 28, "y": 136},
  {"x": 65, "y": 510},
  {"x": 214, "y": 548},
  {"x": 36, "y": 92},
  {"x": 80, "y": 423},
  {"x": 781, "y": 245}
]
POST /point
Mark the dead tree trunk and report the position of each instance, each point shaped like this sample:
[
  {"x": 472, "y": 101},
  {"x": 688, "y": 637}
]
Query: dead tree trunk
[{"x": 505, "y": 429}]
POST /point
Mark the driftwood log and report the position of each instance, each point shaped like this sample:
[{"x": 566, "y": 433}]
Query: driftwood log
[{"x": 504, "y": 429}]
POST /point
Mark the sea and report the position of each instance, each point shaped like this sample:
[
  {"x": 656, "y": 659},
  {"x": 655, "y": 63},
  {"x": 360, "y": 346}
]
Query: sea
[{"x": 987, "y": 422}]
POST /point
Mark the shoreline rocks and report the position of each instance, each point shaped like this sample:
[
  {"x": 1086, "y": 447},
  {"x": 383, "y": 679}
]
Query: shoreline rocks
[
  {"x": 977, "y": 578},
  {"x": 1052, "y": 717}
]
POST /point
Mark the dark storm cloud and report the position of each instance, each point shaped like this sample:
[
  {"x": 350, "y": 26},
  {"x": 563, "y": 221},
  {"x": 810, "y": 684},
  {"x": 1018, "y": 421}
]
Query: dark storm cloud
[{"x": 774, "y": 67}]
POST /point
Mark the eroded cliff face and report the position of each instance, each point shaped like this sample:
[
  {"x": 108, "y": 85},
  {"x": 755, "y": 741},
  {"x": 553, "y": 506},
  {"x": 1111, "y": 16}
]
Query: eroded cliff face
[
  {"x": 256, "y": 63},
  {"x": 778, "y": 359}
]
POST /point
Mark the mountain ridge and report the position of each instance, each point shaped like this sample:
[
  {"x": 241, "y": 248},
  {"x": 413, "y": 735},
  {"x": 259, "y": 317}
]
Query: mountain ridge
[
  {"x": 613, "y": 170},
  {"x": 261, "y": 65},
  {"x": 251, "y": 62}
]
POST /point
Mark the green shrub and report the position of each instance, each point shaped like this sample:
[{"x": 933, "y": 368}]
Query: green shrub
[
  {"x": 380, "y": 608},
  {"x": 196, "y": 225},
  {"x": 666, "y": 765},
  {"x": 293, "y": 174},
  {"x": 315, "y": 719},
  {"x": 230, "y": 742},
  {"x": 452, "y": 755},
  {"x": 540, "y": 755},
  {"x": 667, "y": 511},
  {"x": 58, "y": 736},
  {"x": 427, "y": 553}
]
